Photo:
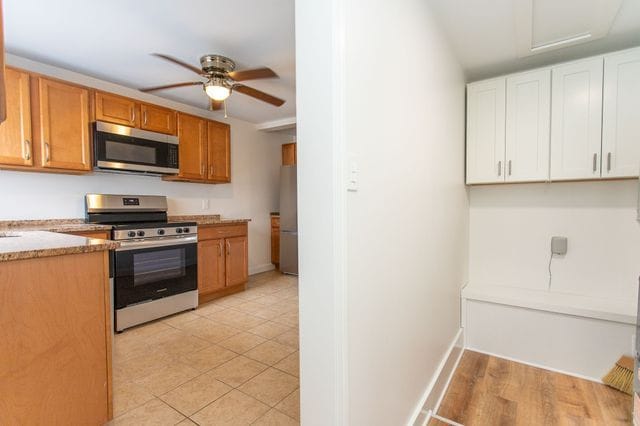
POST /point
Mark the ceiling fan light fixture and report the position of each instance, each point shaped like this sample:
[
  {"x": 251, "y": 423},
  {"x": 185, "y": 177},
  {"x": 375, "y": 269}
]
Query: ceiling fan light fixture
[{"x": 216, "y": 89}]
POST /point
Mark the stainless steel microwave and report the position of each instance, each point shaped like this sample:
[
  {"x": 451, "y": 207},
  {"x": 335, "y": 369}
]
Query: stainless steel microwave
[{"x": 125, "y": 149}]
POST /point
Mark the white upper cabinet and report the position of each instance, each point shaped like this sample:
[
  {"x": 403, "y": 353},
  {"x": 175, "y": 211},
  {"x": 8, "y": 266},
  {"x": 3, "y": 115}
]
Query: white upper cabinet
[
  {"x": 486, "y": 131},
  {"x": 527, "y": 126},
  {"x": 576, "y": 120},
  {"x": 621, "y": 115}
]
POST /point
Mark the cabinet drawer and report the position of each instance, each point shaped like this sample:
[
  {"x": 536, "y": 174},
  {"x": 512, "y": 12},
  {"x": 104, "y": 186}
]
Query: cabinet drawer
[{"x": 210, "y": 232}]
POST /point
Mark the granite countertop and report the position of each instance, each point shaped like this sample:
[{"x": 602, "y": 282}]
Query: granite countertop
[
  {"x": 213, "y": 219},
  {"x": 16, "y": 245},
  {"x": 52, "y": 225}
]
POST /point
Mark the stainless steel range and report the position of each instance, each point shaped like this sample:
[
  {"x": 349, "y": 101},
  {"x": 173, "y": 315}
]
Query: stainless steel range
[{"x": 155, "y": 268}]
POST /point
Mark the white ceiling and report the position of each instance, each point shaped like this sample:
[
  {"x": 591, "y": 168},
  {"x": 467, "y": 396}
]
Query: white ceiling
[
  {"x": 112, "y": 40},
  {"x": 487, "y": 35}
]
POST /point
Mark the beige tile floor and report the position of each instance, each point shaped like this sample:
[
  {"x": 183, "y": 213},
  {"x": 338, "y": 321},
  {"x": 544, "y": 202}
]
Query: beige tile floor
[{"x": 233, "y": 361}]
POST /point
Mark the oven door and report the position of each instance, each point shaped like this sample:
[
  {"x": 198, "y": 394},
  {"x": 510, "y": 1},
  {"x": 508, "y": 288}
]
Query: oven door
[
  {"x": 120, "y": 148},
  {"x": 153, "y": 269}
]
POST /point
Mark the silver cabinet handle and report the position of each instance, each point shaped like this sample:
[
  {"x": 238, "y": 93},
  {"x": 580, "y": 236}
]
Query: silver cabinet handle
[
  {"x": 608, "y": 162},
  {"x": 509, "y": 167},
  {"x": 47, "y": 152},
  {"x": 595, "y": 160},
  {"x": 144, "y": 117},
  {"x": 228, "y": 248},
  {"x": 202, "y": 169},
  {"x": 500, "y": 168},
  {"x": 211, "y": 170},
  {"x": 220, "y": 249},
  {"x": 133, "y": 115},
  {"x": 27, "y": 149}
]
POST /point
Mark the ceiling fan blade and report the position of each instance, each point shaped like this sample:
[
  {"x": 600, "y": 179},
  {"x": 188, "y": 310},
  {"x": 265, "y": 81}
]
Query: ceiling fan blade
[
  {"x": 170, "y": 86},
  {"x": 179, "y": 62},
  {"x": 255, "y": 93},
  {"x": 253, "y": 74},
  {"x": 215, "y": 105}
]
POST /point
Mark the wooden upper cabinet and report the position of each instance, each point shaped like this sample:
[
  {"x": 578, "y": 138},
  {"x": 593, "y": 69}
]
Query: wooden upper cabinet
[
  {"x": 289, "y": 154},
  {"x": 219, "y": 152},
  {"x": 16, "y": 146},
  {"x": 116, "y": 109},
  {"x": 211, "y": 265},
  {"x": 158, "y": 119},
  {"x": 192, "y": 136},
  {"x": 63, "y": 126},
  {"x": 236, "y": 260}
]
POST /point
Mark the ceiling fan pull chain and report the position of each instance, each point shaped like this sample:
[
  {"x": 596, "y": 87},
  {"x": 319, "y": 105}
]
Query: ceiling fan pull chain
[{"x": 225, "y": 108}]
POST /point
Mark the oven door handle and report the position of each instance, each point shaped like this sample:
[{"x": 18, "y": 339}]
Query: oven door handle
[{"x": 137, "y": 245}]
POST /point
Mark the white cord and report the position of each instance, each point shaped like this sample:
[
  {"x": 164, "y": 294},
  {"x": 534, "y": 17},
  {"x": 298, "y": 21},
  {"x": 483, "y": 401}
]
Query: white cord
[{"x": 550, "y": 275}]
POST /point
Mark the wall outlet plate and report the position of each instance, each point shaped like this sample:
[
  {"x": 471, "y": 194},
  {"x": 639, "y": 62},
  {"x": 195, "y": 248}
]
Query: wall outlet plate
[{"x": 559, "y": 245}]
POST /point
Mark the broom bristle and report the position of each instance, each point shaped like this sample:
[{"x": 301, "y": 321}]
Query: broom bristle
[{"x": 620, "y": 377}]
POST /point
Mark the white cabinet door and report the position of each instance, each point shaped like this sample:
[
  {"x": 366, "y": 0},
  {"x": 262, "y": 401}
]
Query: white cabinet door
[
  {"x": 485, "y": 131},
  {"x": 576, "y": 120},
  {"x": 527, "y": 126},
  {"x": 621, "y": 114}
]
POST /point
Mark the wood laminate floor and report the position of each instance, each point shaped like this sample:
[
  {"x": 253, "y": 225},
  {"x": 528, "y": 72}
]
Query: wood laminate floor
[{"x": 486, "y": 391}]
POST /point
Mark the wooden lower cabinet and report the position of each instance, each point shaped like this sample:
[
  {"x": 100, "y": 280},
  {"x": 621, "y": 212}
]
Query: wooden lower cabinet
[
  {"x": 237, "y": 266},
  {"x": 55, "y": 329},
  {"x": 211, "y": 266},
  {"x": 223, "y": 260}
]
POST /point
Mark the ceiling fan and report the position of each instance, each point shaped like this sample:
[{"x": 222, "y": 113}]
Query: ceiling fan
[{"x": 222, "y": 80}]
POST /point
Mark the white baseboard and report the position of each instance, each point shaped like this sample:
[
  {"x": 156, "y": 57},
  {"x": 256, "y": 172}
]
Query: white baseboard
[
  {"x": 437, "y": 388},
  {"x": 261, "y": 268}
]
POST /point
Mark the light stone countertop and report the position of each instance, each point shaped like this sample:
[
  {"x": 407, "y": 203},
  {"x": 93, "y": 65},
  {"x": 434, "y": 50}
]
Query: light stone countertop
[
  {"x": 213, "y": 219},
  {"x": 16, "y": 245},
  {"x": 52, "y": 225}
]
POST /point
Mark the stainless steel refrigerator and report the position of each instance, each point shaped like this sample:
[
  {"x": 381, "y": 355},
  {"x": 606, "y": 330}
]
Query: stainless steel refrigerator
[{"x": 288, "y": 220}]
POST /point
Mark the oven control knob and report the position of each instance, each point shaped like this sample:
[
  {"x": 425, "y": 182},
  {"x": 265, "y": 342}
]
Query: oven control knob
[
  {"x": 185, "y": 230},
  {"x": 131, "y": 234},
  {"x": 160, "y": 231},
  {"x": 140, "y": 233},
  {"x": 178, "y": 230}
]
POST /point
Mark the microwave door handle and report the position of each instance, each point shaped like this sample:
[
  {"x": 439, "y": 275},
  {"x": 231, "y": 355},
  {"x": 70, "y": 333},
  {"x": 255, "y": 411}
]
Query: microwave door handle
[{"x": 137, "y": 245}]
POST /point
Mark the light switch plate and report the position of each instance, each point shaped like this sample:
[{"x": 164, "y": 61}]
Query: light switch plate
[{"x": 559, "y": 245}]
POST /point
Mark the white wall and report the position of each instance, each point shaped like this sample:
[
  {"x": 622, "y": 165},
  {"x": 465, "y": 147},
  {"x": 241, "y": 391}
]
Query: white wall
[
  {"x": 407, "y": 225},
  {"x": 252, "y": 193},
  {"x": 511, "y": 227}
]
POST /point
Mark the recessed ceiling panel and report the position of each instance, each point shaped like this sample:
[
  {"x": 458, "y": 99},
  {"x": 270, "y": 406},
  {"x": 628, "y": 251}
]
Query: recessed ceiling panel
[{"x": 544, "y": 25}]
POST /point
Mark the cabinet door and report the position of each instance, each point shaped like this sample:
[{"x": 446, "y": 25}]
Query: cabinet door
[
  {"x": 275, "y": 240},
  {"x": 289, "y": 155},
  {"x": 219, "y": 152},
  {"x": 158, "y": 119},
  {"x": 15, "y": 132},
  {"x": 116, "y": 109},
  {"x": 237, "y": 266},
  {"x": 528, "y": 126},
  {"x": 621, "y": 115},
  {"x": 576, "y": 120},
  {"x": 64, "y": 125},
  {"x": 211, "y": 266},
  {"x": 192, "y": 137},
  {"x": 485, "y": 131}
]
